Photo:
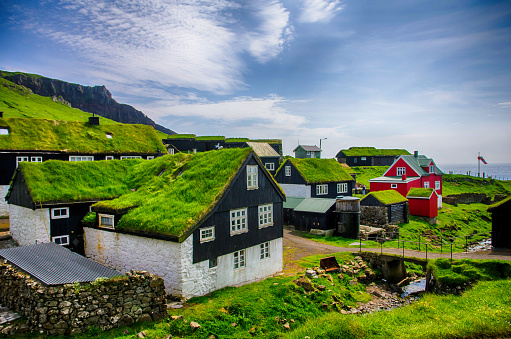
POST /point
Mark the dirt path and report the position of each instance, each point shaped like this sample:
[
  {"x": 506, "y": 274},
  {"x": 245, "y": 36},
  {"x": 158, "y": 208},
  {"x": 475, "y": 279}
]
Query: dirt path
[{"x": 296, "y": 247}]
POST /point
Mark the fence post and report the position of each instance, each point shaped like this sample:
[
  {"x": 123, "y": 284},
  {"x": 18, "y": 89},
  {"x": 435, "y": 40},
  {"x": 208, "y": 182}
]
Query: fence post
[
  {"x": 451, "y": 252},
  {"x": 403, "y": 248},
  {"x": 398, "y": 240},
  {"x": 419, "y": 242},
  {"x": 360, "y": 238},
  {"x": 466, "y": 244},
  {"x": 441, "y": 243},
  {"x": 426, "y": 251}
]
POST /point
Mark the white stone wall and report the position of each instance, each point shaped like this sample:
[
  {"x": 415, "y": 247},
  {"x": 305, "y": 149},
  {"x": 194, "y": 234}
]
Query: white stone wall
[
  {"x": 174, "y": 262},
  {"x": 4, "y": 207},
  {"x": 298, "y": 191},
  {"x": 27, "y": 226}
]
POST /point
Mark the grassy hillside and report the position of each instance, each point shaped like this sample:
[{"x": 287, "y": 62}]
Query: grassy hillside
[
  {"x": 364, "y": 173},
  {"x": 457, "y": 183}
]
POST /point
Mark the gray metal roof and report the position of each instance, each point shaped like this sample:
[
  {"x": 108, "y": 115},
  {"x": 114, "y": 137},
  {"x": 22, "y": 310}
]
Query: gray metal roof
[
  {"x": 308, "y": 148},
  {"x": 292, "y": 202},
  {"x": 315, "y": 205},
  {"x": 53, "y": 264},
  {"x": 263, "y": 149}
]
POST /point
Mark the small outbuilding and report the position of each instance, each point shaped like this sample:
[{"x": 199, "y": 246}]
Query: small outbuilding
[
  {"x": 384, "y": 208},
  {"x": 501, "y": 223},
  {"x": 423, "y": 202},
  {"x": 316, "y": 215}
]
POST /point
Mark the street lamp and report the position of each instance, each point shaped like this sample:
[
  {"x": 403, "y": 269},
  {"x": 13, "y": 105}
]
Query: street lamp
[{"x": 320, "y": 142}]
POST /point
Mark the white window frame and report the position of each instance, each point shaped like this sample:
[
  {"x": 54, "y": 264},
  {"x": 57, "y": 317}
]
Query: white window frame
[
  {"x": 60, "y": 216},
  {"x": 238, "y": 221},
  {"x": 20, "y": 159},
  {"x": 270, "y": 166},
  {"x": 342, "y": 187},
  {"x": 4, "y": 131},
  {"x": 437, "y": 185},
  {"x": 431, "y": 168},
  {"x": 171, "y": 151},
  {"x": 264, "y": 251},
  {"x": 252, "y": 177},
  {"x": 265, "y": 215},
  {"x": 150, "y": 157},
  {"x": 239, "y": 260},
  {"x": 109, "y": 157},
  {"x": 362, "y": 158},
  {"x": 393, "y": 185},
  {"x": 322, "y": 189},
  {"x": 36, "y": 159},
  {"x": 81, "y": 158},
  {"x": 106, "y": 216},
  {"x": 401, "y": 171},
  {"x": 426, "y": 184},
  {"x": 287, "y": 171},
  {"x": 60, "y": 238},
  {"x": 131, "y": 157},
  {"x": 207, "y": 234}
]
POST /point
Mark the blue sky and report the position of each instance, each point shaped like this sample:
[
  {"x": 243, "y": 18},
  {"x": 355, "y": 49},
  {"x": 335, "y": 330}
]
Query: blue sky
[{"x": 432, "y": 76}]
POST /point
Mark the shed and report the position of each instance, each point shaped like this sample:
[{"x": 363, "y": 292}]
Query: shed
[
  {"x": 501, "y": 223},
  {"x": 315, "y": 215},
  {"x": 384, "y": 208},
  {"x": 307, "y": 151},
  {"x": 289, "y": 205},
  {"x": 423, "y": 202}
]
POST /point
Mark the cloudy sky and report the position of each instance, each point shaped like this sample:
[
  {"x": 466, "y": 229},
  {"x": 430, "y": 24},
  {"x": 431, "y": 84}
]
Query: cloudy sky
[{"x": 426, "y": 75}]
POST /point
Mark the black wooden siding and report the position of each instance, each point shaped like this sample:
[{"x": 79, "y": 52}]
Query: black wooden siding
[
  {"x": 305, "y": 221},
  {"x": 500, "y": 225},
  {"x": 295, "y": 178},
  {"x": 332, "y": 190},
  {"x": 397, "y": 213},
  {"x": 237, "y": 196},
  {"x": 377, "y": 160},
  {"x": 71, "y": 226},
  {"x": 19, "y": 194}
]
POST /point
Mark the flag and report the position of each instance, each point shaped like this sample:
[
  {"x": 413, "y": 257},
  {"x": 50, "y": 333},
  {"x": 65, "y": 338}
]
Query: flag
[{"x": 482, "y": 159}]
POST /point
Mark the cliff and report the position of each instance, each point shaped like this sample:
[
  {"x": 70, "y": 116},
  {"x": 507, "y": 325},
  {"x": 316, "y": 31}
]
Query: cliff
[{"x": 96, "y": 99}]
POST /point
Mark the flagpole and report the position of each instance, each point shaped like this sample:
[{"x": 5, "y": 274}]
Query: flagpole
[{"x": 478, "y": 164}]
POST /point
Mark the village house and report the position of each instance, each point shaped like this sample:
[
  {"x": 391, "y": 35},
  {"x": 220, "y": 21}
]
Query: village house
[
  {"x": 306, "y": 151},
  {"x": 369, "y": 156},
  {"x": 423, "y": 202},
  {"x": 201, "y": 222},
  {"x": 384, "y": 208},
  {"x": 269, "y": 157},
  {"x": 38, "y": 140},
  {"x": 500, "y": 216},
  {"x": 409, "y": 171}
]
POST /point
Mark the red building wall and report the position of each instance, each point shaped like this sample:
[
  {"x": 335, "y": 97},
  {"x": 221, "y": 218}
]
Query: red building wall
[
  {"x": 424, "y": 207},
  {"x": 402, "y": 188},
  {"x": 392, "y": 171}
]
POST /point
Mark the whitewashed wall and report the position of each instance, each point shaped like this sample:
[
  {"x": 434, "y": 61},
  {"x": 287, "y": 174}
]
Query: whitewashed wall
[
  {"x": 4, "y": 207},
  {"x": 298, "y": 191},
  {"x": 173, "y": 262},
  {"x": 29, "y": 226}
]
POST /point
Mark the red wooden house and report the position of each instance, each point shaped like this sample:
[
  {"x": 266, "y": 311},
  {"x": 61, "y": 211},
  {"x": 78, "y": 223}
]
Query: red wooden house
[
  {"x": 423, "y": 202},
  {"x": 410, "y": 171}
]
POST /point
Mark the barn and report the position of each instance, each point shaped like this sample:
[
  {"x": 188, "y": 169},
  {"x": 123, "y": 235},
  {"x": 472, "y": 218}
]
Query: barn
[
  {"x": 501, "y": 223},
  {"x": 383, "y": 208},
  {"x": 423, "y": 202}
]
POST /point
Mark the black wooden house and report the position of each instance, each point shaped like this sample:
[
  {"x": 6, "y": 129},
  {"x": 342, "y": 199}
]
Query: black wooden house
[
  {"x": 369, "y": 156},
  {"x": 501, "y": 223}
]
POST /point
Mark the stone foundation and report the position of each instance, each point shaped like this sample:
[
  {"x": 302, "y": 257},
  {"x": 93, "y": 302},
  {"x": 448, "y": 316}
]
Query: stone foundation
[
  {"x": 74, "y": 308},
  {"x": 374, "y": 216}
]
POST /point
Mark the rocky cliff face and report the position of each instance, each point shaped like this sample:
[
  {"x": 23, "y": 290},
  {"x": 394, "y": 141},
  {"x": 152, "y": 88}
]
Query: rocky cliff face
[{"x": 95, "y": 99}]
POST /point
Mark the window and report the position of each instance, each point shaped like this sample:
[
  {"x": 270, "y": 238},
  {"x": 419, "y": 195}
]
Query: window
[
  {"x": 363, "y": 158},
  {"x": 426, "y": 184},
  {"x": 36, "y": 159},
  {"x": 106, "y": 221},
  {"x": 20, "y": 159},
  {"x": 171, "y": 151},
  {"x": 207, "y": 234},
  {"x": 213, "y": 262},
  {"x": 431, "y": 168},
  {"x": 393, "y": 185},
  {"x": 342, "y": 188},
  {"x": 109, "y": 135},
  {"x": 401, "y": 171},
  {"x": 194, "y": 151},
  {"x": 150, "y": 157},
  {"x": 239, "y": 259},
  {"x": 287, "y": 171},
  {"x": 321, "y": 189},
  {"x": 4, "y": 131},
  {"x": 437, "y": 185},
  {"x": 239, "y": 221},
  {"x": 61, "y": 240},
  {"x": 308, "y": 154},
  {"x": 131, "y": 157},
  {"x": 252, "y": 177},
  {"x": 265, "y": 215},
  {"x": 109, "y": 157},
  {"x": 270, "y": 166},
  {"x": 81, "y": 158},
  {"x": 354, "y": 160},
  {"x": 265, "y": 250},
  {"x": 60, "y": 213}
]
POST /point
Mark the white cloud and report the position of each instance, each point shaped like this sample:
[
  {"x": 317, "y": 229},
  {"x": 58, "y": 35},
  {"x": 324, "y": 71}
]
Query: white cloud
[
  {"x": 506, "y": 104},
  {"x": 319, "y": 10}
]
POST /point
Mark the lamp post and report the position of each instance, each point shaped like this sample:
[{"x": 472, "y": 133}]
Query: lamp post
[{"x": 320, "y": 146}]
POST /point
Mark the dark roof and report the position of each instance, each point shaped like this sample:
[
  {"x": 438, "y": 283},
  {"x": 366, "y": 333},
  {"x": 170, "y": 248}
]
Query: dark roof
[
  {"x": 53, "y": 264},
  {"x": 263, "y": 149},
  {"x": 315, "y": 205},
  {"x": 308, "y": 148},
  {"x": 418, "y": 163},
  {"x": 372, "y": 151},
  {"x": 499, "y": 204}
]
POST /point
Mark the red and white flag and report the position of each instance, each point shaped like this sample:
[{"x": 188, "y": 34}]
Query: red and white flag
[{"x": 482, "y": 159}]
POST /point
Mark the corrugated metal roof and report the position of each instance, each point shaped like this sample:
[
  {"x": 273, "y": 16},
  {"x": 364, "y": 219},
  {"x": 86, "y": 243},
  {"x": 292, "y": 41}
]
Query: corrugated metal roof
[
  {"x": 315, "y": 205},
  {"x": 263, "y": 149},
  {"x": 292, "y": 202},
  {"x": 53, "y": 264},
  {"x": 308, "y": 148}
]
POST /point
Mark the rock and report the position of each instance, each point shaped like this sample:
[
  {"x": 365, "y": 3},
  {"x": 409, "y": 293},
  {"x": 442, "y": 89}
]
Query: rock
[
  {"x": 305, "y": 283},
  {"x": 286, "y": 326},
  {"x": 125, "y": 321},
  {"x": 404, "y": 282},
  {"x": 175, "y": 317},
  {"x": 234, "y": 324},
  {"x": 145, "y": 318},
  {"x": 142, "y": 334},
  {"x": 321, "y": 287},
  {"x": 194, "y": 325}
]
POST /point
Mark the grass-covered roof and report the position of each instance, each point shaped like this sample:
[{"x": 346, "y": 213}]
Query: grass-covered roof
[
  {"x": 77, "y": 136},
  {"x": 419, "y": 192},
  {"x": 210, "y": 138},
  {"x": 498, "y": 203},
  {"x": 372, "y": 151},
  {"x": 166, "y": 195},
  {"x": 387, "y": 197},
  {"x": 316, "y": 171},
  {"x": 181, "y": 136}
]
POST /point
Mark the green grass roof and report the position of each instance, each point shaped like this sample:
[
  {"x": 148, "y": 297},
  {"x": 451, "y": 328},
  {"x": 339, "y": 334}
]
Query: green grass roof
[
  {"x": 237, "y": 139},
  {"x": 181, "y": 136},
  {"x": 419, "y": 192},
  {"x": 210, "y": 138},
  {"x": 387, "y": 197},
  {"x": 498, "y": 203},
  {"x": 371, "y": 151},
  {"x": 77, "y": 136},
  {"x": 167, "y": 195},
  {"x": 316, "y": 171}
]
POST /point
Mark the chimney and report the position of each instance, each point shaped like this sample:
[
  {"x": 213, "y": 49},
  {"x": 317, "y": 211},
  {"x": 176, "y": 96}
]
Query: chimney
[
  {"x": 403, "y": 177},
  {"x": 94, "y": 120},
  {"x": 416, "y": 154}
]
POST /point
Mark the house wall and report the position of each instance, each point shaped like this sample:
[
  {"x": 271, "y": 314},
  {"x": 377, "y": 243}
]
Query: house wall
[
  {"x": 402, "y": 188},
  {"x": 295, "y": 190},
  {"x": 392, "y": 171},
  {"x": 501, "y": 232},
  {"x": 332, "y": 190},
  {"x": 423, "y": 207},
  {"x": 27, "y": 226},
  {"x": 4, "y": 207}
]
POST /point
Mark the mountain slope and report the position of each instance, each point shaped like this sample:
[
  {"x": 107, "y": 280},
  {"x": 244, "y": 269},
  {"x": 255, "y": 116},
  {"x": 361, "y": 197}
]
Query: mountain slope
[{"x": 96, "y": 99}]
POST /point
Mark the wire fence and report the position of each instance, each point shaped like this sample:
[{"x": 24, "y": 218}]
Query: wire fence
[{"x": 445, "y": 244}]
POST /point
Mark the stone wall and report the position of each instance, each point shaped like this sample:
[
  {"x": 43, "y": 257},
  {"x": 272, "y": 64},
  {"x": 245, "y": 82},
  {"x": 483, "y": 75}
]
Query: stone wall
[
  {"x": 4, "y": 208},
  {"x": 376, "y": 216},
  {"x": 466, "y": 198},
  {"x": 75, "y": 308}
]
